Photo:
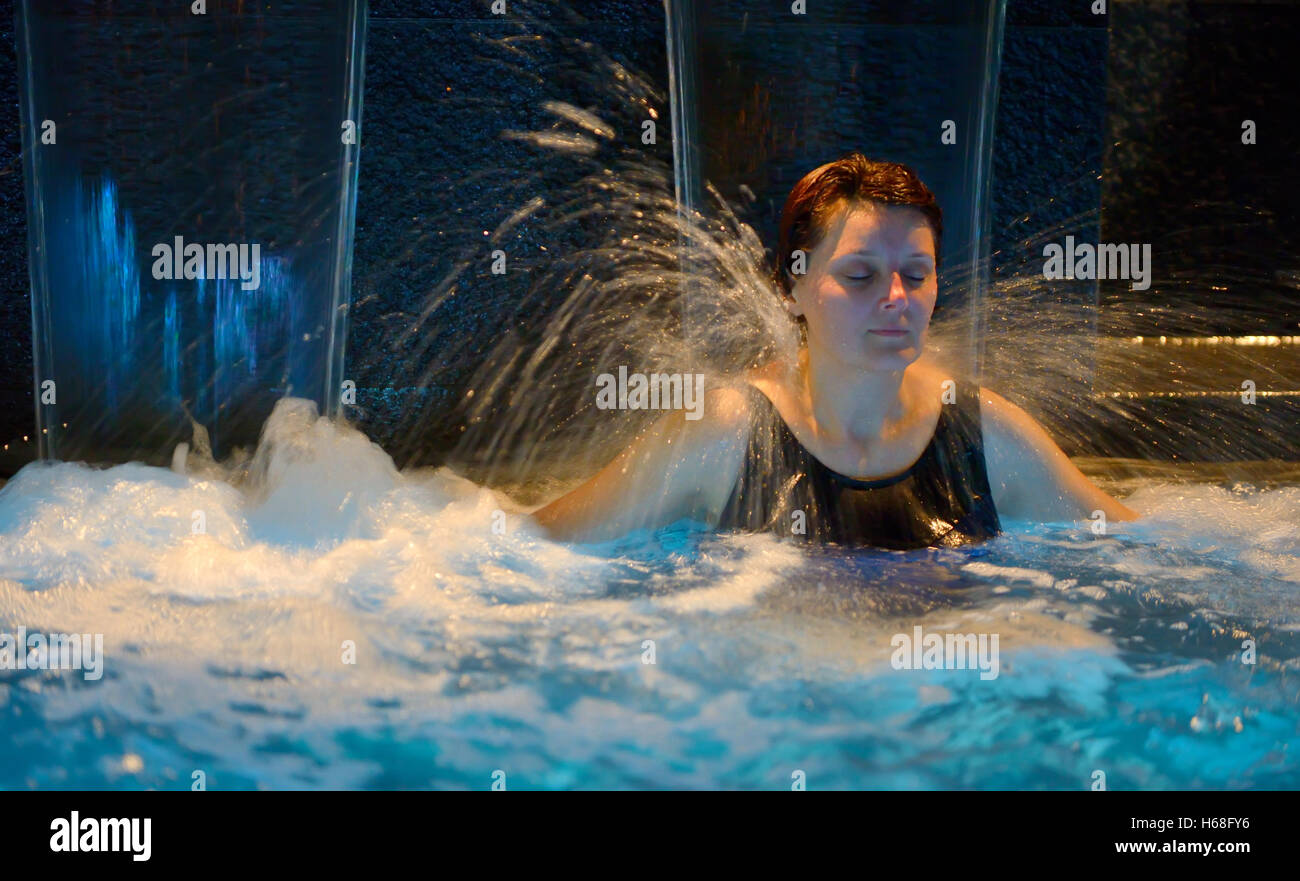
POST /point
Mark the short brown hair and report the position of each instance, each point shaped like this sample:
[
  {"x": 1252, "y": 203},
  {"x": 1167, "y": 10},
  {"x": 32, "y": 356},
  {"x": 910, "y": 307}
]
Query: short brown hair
[{"x": 853, "y": 178}]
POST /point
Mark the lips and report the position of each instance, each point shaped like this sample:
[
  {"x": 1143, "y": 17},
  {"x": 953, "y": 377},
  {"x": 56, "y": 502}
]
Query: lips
[{"x": 889, "y": 332}]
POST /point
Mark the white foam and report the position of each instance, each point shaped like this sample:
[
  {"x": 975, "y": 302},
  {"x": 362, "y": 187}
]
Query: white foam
[{"x": 317, "y": 542}]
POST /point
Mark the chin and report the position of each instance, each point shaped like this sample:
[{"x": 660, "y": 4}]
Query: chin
[
  {"x": 891, "y": 364},
  {"x": 895, "y": 359}
]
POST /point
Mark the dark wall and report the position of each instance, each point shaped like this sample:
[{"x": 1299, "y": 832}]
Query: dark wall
[
  {"x": 17, "y": 408},
  {"x": 1222, "y": 215}
]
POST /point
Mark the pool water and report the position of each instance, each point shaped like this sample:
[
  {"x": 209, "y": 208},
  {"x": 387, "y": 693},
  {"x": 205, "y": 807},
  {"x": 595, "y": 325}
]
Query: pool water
[{"x": 483, "y": 653}]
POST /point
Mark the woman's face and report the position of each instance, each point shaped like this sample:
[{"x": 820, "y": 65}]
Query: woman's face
[{"x": 870, "y": 288}]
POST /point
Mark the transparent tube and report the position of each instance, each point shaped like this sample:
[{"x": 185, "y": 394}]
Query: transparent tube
[{"x": 191, "y": 187}]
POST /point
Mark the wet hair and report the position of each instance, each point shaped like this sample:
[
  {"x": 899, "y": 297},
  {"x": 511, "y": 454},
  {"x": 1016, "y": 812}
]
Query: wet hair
[{"x": 818, "y": 197}]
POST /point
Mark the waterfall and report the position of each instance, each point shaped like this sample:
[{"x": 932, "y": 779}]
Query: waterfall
[{"x": 165, "y": 153}]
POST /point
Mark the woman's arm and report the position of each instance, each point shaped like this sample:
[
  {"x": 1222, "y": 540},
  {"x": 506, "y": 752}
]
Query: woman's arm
[
  {"x": 677, "y": 468},
  {"x": 1031, "y": 478}
]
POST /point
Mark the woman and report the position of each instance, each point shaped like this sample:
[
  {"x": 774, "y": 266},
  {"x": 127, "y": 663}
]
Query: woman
[{"x": 861, "y": 441}]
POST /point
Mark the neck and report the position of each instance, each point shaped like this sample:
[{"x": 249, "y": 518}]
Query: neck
[{"x": 851, "y": 405}]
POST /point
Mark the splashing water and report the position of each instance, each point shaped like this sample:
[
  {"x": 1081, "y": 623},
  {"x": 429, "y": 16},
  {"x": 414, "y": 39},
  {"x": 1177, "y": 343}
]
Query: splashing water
[
  {"x": 307, "y": 614},
  {"x": 478, "y": 649}
]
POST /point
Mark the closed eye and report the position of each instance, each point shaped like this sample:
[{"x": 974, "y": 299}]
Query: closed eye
[{"x": 916, "y": 279}]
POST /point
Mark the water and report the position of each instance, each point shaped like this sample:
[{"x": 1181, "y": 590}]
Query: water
[
  {"x": 478, "y": 651},
  {"x": 234, "y": 596}
]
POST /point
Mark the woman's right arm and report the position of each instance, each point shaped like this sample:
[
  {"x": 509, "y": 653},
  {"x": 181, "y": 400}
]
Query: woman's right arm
[
  {"x": 1030, "y": 476},
  {"x": 677, "y": 468}
]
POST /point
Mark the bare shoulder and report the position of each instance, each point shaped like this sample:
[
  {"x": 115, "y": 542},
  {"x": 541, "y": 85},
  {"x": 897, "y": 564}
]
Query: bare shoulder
[
  {"x": 722, "y": 411},
  {"x": 728, "y": 406},
  {"x": 998, "y": 413},
  {"x": 717, "y": 428},
  {"x": 682, "y": 464},
  {"x": 1007, "y": 427}
]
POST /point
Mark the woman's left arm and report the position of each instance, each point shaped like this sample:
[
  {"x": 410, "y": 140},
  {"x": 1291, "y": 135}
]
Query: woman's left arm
[{"x": 1031, "y": 478}]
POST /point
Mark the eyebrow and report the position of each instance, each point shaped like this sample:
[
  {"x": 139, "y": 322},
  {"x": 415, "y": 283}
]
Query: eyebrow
[{"x": 877, "y": 254}]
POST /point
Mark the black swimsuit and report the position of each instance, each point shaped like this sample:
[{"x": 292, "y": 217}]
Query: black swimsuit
[{"x": 943, "y": 499}]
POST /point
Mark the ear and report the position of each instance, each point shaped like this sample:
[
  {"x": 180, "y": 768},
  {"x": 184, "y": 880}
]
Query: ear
[
  {"x": 792, "y": 306},
  {"x": 791, "y": 303}
]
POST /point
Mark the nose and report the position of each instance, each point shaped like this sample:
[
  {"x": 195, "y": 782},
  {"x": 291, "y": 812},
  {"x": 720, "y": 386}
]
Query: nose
[{"x": 897, "y": 298}]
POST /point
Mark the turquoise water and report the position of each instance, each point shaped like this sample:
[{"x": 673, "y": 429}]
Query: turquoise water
[{"x": 481, "y": 647}]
